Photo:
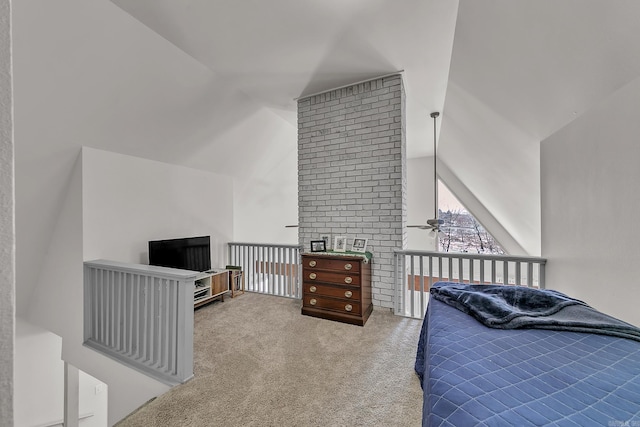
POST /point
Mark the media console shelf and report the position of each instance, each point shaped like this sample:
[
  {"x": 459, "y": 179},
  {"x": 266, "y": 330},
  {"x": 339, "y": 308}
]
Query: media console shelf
[{"x": 210, "y": 286}]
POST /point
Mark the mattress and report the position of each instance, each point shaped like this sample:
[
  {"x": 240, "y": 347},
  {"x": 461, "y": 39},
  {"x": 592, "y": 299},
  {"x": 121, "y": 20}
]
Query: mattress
[{"x": 475, "y": 375}]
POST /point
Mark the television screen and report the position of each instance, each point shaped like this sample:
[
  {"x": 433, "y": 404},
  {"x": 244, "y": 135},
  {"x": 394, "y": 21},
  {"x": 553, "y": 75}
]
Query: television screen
[{"x": 190, "y": 253}]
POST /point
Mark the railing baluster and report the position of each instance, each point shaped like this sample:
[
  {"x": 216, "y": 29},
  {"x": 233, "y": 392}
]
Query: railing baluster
[
  {"x": 412, "y": 285},
  {"x": 280, "y": 273},
  {"x": 404, "y": 284},
  {"x": 129, "y": 316},
  {"x": 397, "y": 281},
  {"x": 254, "y": 268},
  {"x": 518, "y": 275},
  {"x": 270, "y": 267},
  {"x": 505, "y": 272},
  {"x": 422, "y": 274},
  {"x": 119, "y": 302},
  {"x": 493, "y": 271}
]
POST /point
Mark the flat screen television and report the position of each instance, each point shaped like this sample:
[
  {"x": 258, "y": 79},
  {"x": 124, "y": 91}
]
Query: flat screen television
[{"x": 189, "y": 253}]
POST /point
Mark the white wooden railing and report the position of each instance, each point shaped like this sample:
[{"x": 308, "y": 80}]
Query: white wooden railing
[
  {"x": 416, "y": 271},
  {"x": 269, "y": 268},
  {"x": 141, "y": 316}
]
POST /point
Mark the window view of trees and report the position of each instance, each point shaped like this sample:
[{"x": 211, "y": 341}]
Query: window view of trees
[{"x": 461, "y": 232}]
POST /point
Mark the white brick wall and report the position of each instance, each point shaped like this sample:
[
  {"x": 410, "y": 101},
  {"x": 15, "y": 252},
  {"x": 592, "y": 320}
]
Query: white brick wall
[{"x": 352, "y": 171}]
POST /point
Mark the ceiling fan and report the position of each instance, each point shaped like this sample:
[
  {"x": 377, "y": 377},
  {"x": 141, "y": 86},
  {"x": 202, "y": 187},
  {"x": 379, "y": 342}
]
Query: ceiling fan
[{"x": 434, "y": 223}]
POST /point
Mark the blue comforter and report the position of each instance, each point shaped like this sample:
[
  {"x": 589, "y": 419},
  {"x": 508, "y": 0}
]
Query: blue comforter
[
  {"x": 475, "y": 375},
  {"x": 513, "y": 307}
]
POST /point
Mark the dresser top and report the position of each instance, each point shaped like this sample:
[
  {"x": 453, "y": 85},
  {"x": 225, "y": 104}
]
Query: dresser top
[{"x": 364, "y": 256}]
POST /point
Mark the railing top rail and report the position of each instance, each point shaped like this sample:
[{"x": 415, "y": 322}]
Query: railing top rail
[
  {"x": 434, "y": 254},
  {"x": 149, "y": 270},
  {"x": 266, "y": 245}
]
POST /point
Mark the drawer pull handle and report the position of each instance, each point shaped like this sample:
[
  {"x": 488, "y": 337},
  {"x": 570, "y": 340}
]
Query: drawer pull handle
[
  {"x": 348, "y": 266},
  {"x": 348, "y": 307},
  {"x": 312, "y": 276},
  {"x": 348, "y": 279},
  {"x": 313, "y": 301},
  {"x": 348, "y": 294},
  {"x": 312, "y": 263},
  {"x": 313, "y": 289}
]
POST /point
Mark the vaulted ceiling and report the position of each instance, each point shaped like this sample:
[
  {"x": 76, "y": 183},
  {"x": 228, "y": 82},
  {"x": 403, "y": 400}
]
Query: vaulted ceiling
[
  {"x": 279, "y": 50},
  {"x": 537, "y": 64}
]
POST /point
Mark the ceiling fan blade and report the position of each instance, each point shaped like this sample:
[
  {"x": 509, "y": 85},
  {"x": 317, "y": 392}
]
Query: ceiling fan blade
[
  {"x": 421, "y": 227},
  {"x": 291, "y": 226}
]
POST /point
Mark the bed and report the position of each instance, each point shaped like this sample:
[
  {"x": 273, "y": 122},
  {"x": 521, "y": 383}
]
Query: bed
[{"x": 544, "y": 373}]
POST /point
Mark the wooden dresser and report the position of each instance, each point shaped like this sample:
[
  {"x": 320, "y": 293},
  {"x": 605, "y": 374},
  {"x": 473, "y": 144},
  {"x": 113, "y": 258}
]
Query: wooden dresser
[{"x": 336, "y": 287}]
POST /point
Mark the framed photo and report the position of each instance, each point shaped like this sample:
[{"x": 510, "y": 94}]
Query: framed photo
[
  {"x": 359, "y": 245},
  {"x": 318, "y": 246},
  {"x": 340, "y": 244},
  {"x": 327, "y": 241}
]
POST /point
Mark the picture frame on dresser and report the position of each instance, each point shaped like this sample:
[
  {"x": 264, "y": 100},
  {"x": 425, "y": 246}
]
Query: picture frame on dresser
[
  {"x": 340, "y": 244},
  {"x": 359, "y": 245},
  {"x": 318, "y": 246},
  {"x": 327, "y": 241}
]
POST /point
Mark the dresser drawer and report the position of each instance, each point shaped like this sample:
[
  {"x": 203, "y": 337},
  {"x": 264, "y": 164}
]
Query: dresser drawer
[
  {"x": 341, "y": 306},
  {"x": 332, "y": 291},
  {"x": 349, "y": 278},
  {"x": 331, "y": 264}
]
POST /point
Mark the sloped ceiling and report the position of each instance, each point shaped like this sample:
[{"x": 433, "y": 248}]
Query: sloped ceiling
[
  {"x": 279, "y": 50},
  {"x": 541, "y": 63},
  {"x": 520, "y": 71}
]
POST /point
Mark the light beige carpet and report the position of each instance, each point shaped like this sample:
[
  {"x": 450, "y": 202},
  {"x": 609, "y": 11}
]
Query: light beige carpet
[{"x": 259, "y": 362}]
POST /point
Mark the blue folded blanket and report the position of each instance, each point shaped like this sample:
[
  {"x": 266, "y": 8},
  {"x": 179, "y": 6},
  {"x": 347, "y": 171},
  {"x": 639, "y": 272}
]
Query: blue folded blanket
[{"x": 514, "y": 307}]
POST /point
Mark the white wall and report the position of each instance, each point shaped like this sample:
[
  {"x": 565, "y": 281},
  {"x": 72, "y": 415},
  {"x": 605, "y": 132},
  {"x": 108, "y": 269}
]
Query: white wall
[
  {"x": 7, "y": 230},
  {"x": 39, "y": 374},
  {"x": 590, "y": 205},
  {"x": 128, "y": 201},
  {"x": 93, "y": 403},
  {"x": 266, "y": 181},
  {"x": 420, "y": 203}
]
